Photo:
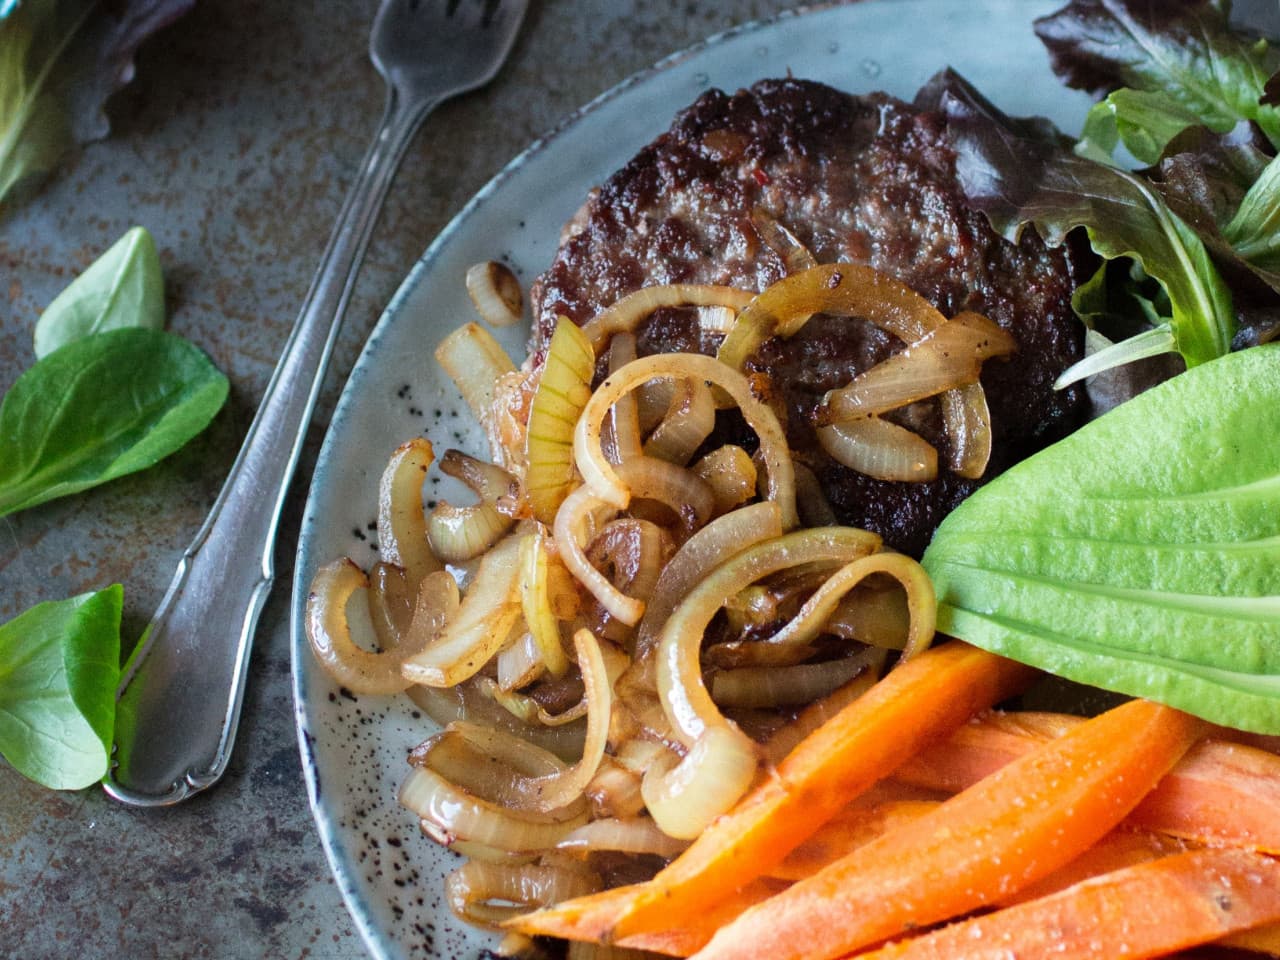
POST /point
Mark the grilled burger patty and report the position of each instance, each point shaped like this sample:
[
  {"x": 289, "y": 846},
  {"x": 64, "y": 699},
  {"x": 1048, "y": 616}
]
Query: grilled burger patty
[{"x": 868, "y": 179}]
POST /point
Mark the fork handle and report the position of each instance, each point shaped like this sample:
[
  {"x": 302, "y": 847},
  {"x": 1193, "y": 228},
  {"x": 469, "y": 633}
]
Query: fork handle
[{"x": 180, "y": 696}]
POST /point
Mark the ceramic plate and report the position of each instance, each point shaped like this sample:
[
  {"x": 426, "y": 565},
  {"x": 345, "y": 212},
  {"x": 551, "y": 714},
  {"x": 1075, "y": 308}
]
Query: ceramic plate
[{"x": 353, "y": 748}]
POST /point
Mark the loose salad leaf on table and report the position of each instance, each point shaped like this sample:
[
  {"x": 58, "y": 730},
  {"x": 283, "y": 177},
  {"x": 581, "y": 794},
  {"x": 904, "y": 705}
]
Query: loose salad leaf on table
[{"x": 59, "y": 667}]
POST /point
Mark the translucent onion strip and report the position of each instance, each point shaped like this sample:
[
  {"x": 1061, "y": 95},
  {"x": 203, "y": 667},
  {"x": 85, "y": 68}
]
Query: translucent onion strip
[
  {"x": 459, "y": 534},
  {"x": 475, "y": 361},
  {"x": 679, "y": 672},
  {"x": 811, "y": 620},
  {"x": 624, "y": 416},
  {"x": 627, "y": 313},
  {"x": 811, "y": 499},
  {"x": 572, "y": 530},
  {"x": 535, "y": 601},
  {"x": 968, "y": 423},
  {"x": 689, "y": 421},
  {"x": 468, "y": 701},
  {"x": 391, "y": 603},
  {"x": 562, "y": 392},
  {"x": 761, "y": 687},
  {"x": 635, "y": 835},
  {"x": 488, "y": 611},
  {"x": 520, "y": 662},
  {"x": 601, "y": 475},
  {"x": 684, "y": 795},
  {"x": 330, "y": 631},
  {"x": 449, "y": 813},
  {"x": 496, "y": 294},
  {"x": 947, "y": 357},
  {"x": 488, "y": 893},
  {"x": 795, "y": 255},
  {"x": 880, "y": 449},
  {"x": 402, "y": 522},
  {"x": 677, "y": 488},
  {"x": 731, "y": 474},
  {"x": 842, "y": 289}
]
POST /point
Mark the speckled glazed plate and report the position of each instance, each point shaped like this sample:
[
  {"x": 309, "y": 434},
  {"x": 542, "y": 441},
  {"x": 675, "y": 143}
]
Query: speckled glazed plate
[{"x": 353, "y": 748}]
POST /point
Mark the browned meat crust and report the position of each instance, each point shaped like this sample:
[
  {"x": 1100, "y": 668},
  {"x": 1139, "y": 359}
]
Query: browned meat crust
[{"x": 867, "y": 179}]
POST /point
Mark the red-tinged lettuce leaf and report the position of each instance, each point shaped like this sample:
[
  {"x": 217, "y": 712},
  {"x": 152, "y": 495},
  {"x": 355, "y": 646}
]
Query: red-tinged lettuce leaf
[
  {"x": 1010, "y": 170},
  {"x": 59, "y": 62},
  {"x": 1179, "y": 63}
]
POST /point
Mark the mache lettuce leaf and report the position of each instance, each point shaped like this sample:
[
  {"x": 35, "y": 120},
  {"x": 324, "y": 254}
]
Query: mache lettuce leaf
[
  {"x": 1160, "y": 68},
  {"x": 59, "y": 62},
  {"x": 59, "y": 669},
  {"x": 1141, "y": 554},
  {"x": 122, "y": 288}
]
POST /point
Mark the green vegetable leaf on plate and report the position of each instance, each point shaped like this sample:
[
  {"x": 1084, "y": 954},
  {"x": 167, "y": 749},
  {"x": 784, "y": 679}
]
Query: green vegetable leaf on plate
[
  {"x": 59, "y": 668},
  {"x": 1161, "y": 68},
  {"x": 99, "y": 408},
  {"x": 122, "y": 288},
  {"x": 1141, "y": 554},
  {"x": 1016, "y": 175}
]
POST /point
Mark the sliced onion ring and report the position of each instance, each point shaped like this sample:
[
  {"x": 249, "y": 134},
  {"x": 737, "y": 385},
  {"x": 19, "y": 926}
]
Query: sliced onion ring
[
  {"x": 402, "y": 522},
  {"x": 495, "y": 292},
  {"x": 880, "y": 449},
  {"x": 601, "y": 476},
  {"x": 626, "y": 314},
  {"x": 329, "y": 630}
]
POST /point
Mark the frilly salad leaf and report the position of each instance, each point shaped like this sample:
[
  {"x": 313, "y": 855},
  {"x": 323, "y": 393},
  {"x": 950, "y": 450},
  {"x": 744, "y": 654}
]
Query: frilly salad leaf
[
  {"x": 59, "y": 62},
  {"x": 122, "y": 288},
  {"x": 1016, "y": 175},
  {"x": 1160, "y": 68},
  {"x": 59, "y": 668},
  {"x": 1141, "y": 554}
]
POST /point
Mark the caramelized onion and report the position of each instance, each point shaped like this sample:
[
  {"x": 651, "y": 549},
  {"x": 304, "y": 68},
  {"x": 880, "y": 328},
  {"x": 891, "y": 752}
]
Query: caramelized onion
[
  {"x": 535, "y": 601},
  {"x": 627, "y": 313},
  {"x": 689, "y": 421},
  {"x": 573, "y": 529},
  {"x": 402, "y": 523},
  {"x": 684, "y": 795},
  {"x": 601, "y": 476},
  {"x": 635, "y": 835},
  {"x": 731, "y": 474},
  {"x": 680, "y": 686},
  {"x": 486, "y": 616},
  {"x": 968, "y": 422},
  {"x": 787, "y": 686},
  {"x": 330, "y": 631},
  {"x": 947, "y": 357},
  {"x": 488, "y": 893},
  {"x": 843, "y": 289},
  {"x": 495, "y": 292},
  {"x": 563, "y": 390},
  {"x": 880, "y": 449},
  {"x": 467, "y": 701},
  {"x": 475, "y": 361},
  {"x": 624, "y": 416}
]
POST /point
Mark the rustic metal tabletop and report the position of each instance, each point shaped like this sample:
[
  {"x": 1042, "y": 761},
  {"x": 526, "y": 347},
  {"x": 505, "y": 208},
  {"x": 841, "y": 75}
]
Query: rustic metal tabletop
[{"x": 234, "y": 145}]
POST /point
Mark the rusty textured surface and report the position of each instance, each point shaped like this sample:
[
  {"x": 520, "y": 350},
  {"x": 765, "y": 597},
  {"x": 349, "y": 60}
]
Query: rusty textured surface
[{"x": 234, "y": 146}]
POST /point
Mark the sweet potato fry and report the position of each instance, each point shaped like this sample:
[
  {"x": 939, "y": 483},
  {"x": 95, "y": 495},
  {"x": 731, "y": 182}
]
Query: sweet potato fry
[
  {"x": 590, "y": 918},
  {"x": 1149, "y": 910},
  {"x": 1220, "y": 792},
  {"x": 919, "y": 702},
  {"x": 1020, "y": 824}
]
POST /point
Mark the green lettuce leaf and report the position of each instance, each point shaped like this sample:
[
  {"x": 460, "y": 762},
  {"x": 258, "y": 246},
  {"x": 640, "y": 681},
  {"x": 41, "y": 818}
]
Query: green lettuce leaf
[
  {"x": 1011, "y": 172},
  {"x": 59, "y": 668},
  {"x": 1141, "y": 554},
  {"x": 1180, "y": 61},
  {"x": 122, "y": 288},
  {"x": 101, "y": 407}
]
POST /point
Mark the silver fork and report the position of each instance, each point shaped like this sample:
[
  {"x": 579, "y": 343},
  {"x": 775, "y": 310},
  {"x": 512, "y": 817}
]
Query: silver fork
[{"x": 180, "y": 697}]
